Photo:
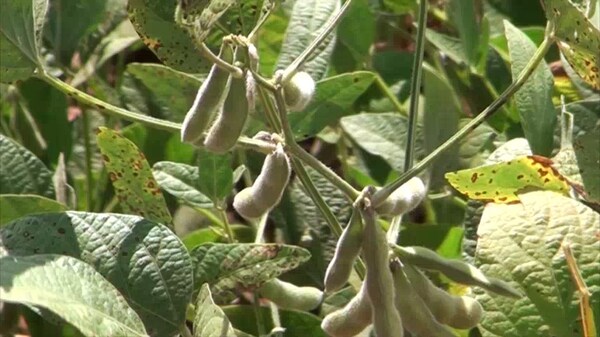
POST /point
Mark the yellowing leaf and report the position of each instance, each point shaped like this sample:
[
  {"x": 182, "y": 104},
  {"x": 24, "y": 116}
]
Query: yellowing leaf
[{"x": 502, "y": 182}]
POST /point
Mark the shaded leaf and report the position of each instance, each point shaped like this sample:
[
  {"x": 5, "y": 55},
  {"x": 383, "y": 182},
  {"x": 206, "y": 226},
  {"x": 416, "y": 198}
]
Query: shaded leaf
[
  {"x": 21, "y": 24},
  {"x": 131, "y": 177},
  {"x": 503, "y": 181},
  {"x": 22, "y": 172},
  {"x": 242, "y": 233},
  {"x": 210, "y": 320},
  {"x": 71, "y": 289},
  {"x": 182, "y": 181},
  {"x": 14, "y": 206},
  {"x": 215, "y": 176},
  {"x": 521, "y": 243},
  {"x": 144, "y": 260}
]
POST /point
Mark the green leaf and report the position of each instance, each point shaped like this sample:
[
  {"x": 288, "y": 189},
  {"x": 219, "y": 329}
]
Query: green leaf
[
  {"x": 242, "y": 16},
  {"x": 173, "y": 91},
  {"x": 308, "y": 19},
  {"x": 355, "y": 35},
  {"x": 333, "y": 99},
  {"x": 215, "y": 176},
  {"x": 462, "y": 15},
  {"x": 521, "y": 243},
  {"x": 588, "y": 157},
  {"x": 295, "y": 323},
  {"x": 131, "y": 177},
  {"x": 22, "y": 172},
  {"x": 182, "y": 181},
  {"x": 210, "y": 320},
  {"x": 448, "y": 45},
  {"x": 382, "y": 134},
  {"x": 154, "y": 22},
  {"x": 144, "y": 260},
  {"x": 534, "y": 99},
  {"x": 242, "y": 233},
  {"x": 400, "y": 6},
  {"x": 14, "y": 206},
  {"x": 71, "y": 289},
  {"x": 270, "y": 39},
  {"x": 21, "y": 25},
  {"x": 227, "y": 267},
  {"x": 579, "y": 39},
  {"x": 502, "y": 182}
]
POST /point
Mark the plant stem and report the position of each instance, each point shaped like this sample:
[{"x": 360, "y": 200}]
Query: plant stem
[
  {"x": 382, "y": 194},
  {"x": 226, "y": 225},
  {"x": 385, "y": 89},
  {"x": 415, "y": 85},
  {"x": 89, "y": 179},
  {"x": 258, "y": 316},
  {"x": 329, "y": 27},
  {"x": 185, "y": 331},
  {"x": 209, "y": 55},
  {"x": 152, "y": 122}
]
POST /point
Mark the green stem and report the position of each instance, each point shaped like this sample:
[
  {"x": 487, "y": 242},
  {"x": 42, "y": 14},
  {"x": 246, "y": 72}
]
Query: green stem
[
  {"x": 89, "y": 179},
  {"x": 385, "y": 89},
  {"x": 258, "y": 315},
  {"x": 209, "y": 55},
  {"x": 415, "y": 85},
  {"x": 226, "y": 225},
  {"x": 382, "y": 194},
  {"x": 185, "y": 331},
  {"x": 329, "y": 27}
]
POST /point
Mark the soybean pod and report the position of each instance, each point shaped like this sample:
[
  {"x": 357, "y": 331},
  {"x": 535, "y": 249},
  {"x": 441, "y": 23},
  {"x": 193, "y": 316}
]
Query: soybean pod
[
  {"x": 461, "y": 312},
  {"x": 380, "y": 284},
  {"x": 416, "y": 316},
  {"x": 405, "y": 198},
  {"x": 299, "y": 91},
  {"x": 352, "y": 318},
  {"x": 290, "y": 296},
  {"x": 346, "y": 251},
  {"x": 210, "y": 96}
]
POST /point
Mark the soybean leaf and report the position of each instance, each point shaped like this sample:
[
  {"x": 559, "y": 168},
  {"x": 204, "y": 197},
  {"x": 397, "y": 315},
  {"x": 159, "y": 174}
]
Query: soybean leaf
[
  {"x": 226, "y": 267},
  {"x": 215, "y": 176},
  {"x": 579, "y": 39},
  {"x": 242, "y": 233},
  {"x": 474, "y": 149},
  {"x": 588, "y": 157},
  {"x": 355, "y": 35},
  {"x": 210, "y": 320},
  {"x": 307, "y": 21},
  {"x": 182, "y": 181},
  {"x": 521, "y": 243},
  {"x": 462, "y": 15},
  {"x": 22, "y": 172},
  {"x": 203, "y": 15},
  {"x": 71, "y": 289},
  {"x": 296, "y": 323},
  {"x": 14, "y": 206},
  {"x": 400, "y": 6},
  {"x": 270, "y": 39},
  {"x": 333, "y": 99},
  {"x": 144, "y": 260},
  {"x": 173, "y": 91},
  {"x": 154, "y": 22},
  {"x": 242, "y": 16},
  {"x": 448, "y": 45},
  {"x": 132, "y": 179},
  {"x": 382, "y": 134},
  {"x": 503, "y": 181},
  {"x": 21, "y": 25},
  {"x": 534, "y": 99}
]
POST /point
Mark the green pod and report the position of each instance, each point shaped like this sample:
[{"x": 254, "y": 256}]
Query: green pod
[
  {"x": 289, "y": 296},
  {"x": 229, "y": 124},
  {"x": 268, "y": 188},
  {"x": 460, "y": 312},
  {"x": 416, "y": 316},
  {"x": 210, "y": 96},
  {"x": 351, "y": 319},
  {"x": 404, "y": 199},
  {"x": 380, "y": 284},
  {"x": 346, "y": 251}
]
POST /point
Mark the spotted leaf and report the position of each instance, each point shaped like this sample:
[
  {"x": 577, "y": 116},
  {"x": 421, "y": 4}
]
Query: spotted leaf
[
  {"x": 131, "y": 176},
  {"x": 578, "y": 39},
  {"x": 502, "y": 182}
]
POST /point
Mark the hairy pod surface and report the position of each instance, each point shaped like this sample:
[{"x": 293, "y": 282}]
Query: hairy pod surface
[
  {"x": 380, "y": 284},
  {"x": 290, "y": 296},
  {"x": 460, "y": 312},
  {"x": 351, "y": 319},
  {"x": 227, "y": 128},
  {"x": 346, "y": 251},
  {"x": 416, "y": 316},
  {"x": 299, "y": 91},
  {"x": 404, "y": 199},
  {"x": 210, "y": 96},
  {"x": 268, "y": 188}
]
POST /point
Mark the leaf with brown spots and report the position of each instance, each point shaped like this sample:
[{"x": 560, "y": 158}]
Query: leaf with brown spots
[
  {"x": 131, "y": 176},
  {"x": 578, "y": 39},
  {"x": 502, "y": 182}
]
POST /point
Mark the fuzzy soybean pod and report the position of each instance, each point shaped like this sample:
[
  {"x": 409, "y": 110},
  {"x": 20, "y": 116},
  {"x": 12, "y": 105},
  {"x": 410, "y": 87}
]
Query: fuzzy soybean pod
[
  {"x": 416, "y": 316},
  {"x": 210, "y": 96},
  {"x": 265, "y": 193},
  {"x": 405, "y": 198},
  {"x": 229, "y": 124},
  {"x": 299, "y": 91},
  {"x": 290, "y": 296},
  {"x": 346, "y": 251},
  {"x": 351, "y": 319},
  {"x": 380, "y": 284},
  {"x": 460, "y": 312}
]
